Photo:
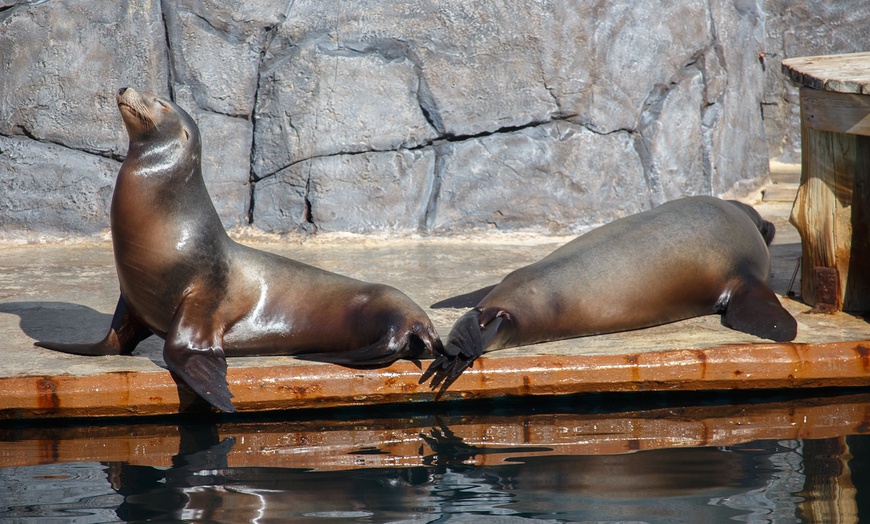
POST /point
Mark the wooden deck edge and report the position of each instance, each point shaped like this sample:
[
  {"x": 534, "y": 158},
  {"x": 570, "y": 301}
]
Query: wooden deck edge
[
  {"x": 487, "y": 439},
  {"x": 297, "y": 386}
]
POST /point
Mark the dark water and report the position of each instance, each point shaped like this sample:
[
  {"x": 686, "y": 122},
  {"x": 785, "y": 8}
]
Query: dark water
[{"x": 241, "y": 469}]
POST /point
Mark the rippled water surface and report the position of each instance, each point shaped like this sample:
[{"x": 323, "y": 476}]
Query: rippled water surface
[{"x": 456, "y": 466}]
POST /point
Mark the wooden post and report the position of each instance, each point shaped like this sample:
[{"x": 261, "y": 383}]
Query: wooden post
[{"x": 832, "y": 208}]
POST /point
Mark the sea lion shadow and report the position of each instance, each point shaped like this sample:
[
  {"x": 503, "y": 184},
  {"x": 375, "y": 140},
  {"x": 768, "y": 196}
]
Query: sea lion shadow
[{"x": 67, "y": 322}]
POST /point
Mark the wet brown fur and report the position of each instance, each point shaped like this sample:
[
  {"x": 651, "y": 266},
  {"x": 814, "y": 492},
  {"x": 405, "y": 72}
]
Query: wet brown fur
[
  {"x": 183, "y": 279},
  {"x": 691, "y": 257}
]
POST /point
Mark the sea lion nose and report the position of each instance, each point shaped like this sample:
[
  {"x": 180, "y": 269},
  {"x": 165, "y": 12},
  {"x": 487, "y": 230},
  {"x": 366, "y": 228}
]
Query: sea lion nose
[{"x": 121, "y": 91}]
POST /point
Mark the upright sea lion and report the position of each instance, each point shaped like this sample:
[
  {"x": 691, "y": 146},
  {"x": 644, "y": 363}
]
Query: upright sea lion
[
  {"x": 690, "y": 257},
  {"x": 183, "y": 278}
]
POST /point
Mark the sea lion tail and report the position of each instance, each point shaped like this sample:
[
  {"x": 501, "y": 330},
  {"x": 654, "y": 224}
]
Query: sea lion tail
[
  {"x": 425, "y": 341},
  {"x": 768, "y": 231}
]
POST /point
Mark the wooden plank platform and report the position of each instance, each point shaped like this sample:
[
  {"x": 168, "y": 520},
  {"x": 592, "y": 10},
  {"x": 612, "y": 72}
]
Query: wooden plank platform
[{"x": 67, "y": 292}]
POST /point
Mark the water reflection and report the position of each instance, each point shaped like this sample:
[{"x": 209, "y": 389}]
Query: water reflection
[
  {"x": 660, "y": 486},
  {"x": 446, "y": 469}
]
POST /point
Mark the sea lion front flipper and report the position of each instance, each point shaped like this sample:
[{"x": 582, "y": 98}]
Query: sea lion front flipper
[
  {"x": 125, "y": 333},
  {"x": 466, "y": 300},
  {"x": 193, "y": 354},
  {"x": 755, "y": 309},
  {"x": 469, "y": 337}
]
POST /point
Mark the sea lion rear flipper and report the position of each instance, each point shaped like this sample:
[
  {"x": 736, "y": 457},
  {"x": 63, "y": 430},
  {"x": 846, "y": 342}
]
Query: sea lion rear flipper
[
  {"x": 420, "y": 341},
  {"x": 378, "y": 354},
  {"x": 125, "y": 333},
  {"x": 755, "y": 309},
  {"x": 198, "y": 361},
  {"x": 466, "y": 300}
]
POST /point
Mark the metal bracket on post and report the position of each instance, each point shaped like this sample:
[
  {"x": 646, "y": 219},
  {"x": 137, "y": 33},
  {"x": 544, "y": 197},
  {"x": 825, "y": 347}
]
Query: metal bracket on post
[{"x": 827, "y": 282}]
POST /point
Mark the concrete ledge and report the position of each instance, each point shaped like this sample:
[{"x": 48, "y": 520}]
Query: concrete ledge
[{"x": 303, "y": 385}]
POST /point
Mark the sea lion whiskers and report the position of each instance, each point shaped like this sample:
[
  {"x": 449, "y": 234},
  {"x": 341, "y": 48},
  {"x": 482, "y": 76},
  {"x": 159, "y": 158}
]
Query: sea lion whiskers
[{"x": 138, "y": 108}]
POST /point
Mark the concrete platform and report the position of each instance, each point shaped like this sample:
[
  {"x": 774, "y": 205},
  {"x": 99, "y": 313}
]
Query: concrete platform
[{"x": 68, "y": 292}]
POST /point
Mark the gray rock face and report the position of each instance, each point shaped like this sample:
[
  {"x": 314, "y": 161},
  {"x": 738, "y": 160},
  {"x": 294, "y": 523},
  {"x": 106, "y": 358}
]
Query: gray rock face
[
  {"x": 50, "y": 189},
  {"x": 733, "y": 160},
  {"x": 397, "y": 116},
  {"x": 374, "y": 107},
  {"x": 215, "y": 48},
  {"x": 532, "y": 164},
  {"x": 226, "y": 162},
  {"x": 367, "y": 192},
  {"x": 666, "y": 130},
  {"x": 62, "y": 62}
]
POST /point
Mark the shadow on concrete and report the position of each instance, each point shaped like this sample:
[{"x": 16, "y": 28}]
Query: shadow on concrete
[
  {"x": 72, "y": 323},
  {"x": 50, "y": 320}
]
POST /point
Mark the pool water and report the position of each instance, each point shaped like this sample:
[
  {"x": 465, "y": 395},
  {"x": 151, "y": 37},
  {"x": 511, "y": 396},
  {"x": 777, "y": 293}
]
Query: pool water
[{"x": 415, "y": 465}]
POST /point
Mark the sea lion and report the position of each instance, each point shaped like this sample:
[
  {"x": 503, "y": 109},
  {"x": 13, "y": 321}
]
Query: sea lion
[
  {"x": 686, "y": 258},
  {"x": 183, "y": 278}
]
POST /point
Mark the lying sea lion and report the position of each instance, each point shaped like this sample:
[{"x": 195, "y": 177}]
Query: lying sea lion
[
  {"x": 690, "y": 257},
  {"x": 183, "y": 278}
]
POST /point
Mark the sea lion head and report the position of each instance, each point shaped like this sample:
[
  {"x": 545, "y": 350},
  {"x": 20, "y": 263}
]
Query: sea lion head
[{"x": 151, "y": 118}]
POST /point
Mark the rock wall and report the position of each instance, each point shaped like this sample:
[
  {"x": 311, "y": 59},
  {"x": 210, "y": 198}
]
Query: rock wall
[{"x": 390, "y": 116}]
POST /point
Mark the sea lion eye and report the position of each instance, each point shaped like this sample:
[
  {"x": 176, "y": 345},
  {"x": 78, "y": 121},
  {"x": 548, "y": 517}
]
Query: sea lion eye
[
  {"x": 186, "y": 135},
  {"x": 164, "y": 106}
]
